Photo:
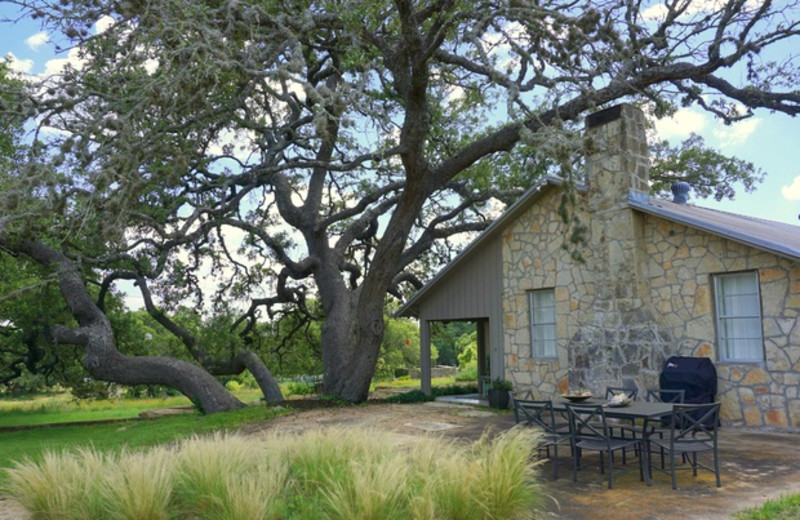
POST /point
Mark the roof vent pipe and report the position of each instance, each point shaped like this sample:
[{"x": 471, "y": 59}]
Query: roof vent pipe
[{"x": 680, "y": 192}]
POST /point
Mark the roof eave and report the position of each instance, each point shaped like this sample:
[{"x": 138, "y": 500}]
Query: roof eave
[
  {"x": 411, "y": 307},
  {"x": 644, "y": 206}
]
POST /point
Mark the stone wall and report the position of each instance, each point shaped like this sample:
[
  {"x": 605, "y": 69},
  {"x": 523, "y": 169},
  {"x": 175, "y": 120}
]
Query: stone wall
[
  {"x": 625, "y": 341},
  {"x": 682, "y": 262},
  {"x": 643, "y": 293},
  {"x": 533, "y": 258}
]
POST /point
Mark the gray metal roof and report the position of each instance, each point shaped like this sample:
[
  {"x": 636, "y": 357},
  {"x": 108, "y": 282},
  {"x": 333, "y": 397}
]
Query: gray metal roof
[
  {"x": 775, "y": 237},
  {"x": 766, "y": 235}
]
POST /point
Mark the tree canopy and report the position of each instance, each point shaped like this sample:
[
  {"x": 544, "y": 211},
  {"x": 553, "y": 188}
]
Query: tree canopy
[{"x": 334, "y": 147}]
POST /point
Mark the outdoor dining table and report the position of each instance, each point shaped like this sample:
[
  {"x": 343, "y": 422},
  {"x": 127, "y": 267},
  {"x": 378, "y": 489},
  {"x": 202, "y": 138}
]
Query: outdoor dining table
[{"x": 642, "y": 413}]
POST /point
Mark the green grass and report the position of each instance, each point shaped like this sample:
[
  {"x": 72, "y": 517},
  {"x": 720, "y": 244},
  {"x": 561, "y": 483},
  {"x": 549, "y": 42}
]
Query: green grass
[
  {"x": 116, "y": 436},
  {"x": 783, "y": 508},
  {"x": 61, "y": 408}
]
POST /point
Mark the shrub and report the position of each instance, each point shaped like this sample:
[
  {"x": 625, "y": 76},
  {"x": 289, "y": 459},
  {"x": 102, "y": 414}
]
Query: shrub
[
  {"x": 61, "y": 486},
  {"x": 233, "y": 385},
  {"x": 138, "y": 486},
  {"x": 301, "y": 388},
  {"x": 412, "y": 396},
  {"x": 417, "y": 396},
  {"x": 468, "y": 374}
]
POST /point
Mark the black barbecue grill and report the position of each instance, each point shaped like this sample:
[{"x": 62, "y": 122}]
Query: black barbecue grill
[{"x": 696, "y": 376}]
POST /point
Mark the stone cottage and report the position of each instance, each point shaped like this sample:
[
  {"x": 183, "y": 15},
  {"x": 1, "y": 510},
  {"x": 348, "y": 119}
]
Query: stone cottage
[{"x": 658, "y": 278}]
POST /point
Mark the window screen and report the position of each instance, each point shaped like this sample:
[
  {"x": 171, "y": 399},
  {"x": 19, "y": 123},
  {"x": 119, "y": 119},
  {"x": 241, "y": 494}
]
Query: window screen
[
  {"x": 543, "y": 322},
  {"x": 738, "y": 306}
]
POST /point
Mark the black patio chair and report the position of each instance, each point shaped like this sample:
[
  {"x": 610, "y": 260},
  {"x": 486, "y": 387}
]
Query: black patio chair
[
  {"x": 525, "y": 395},
  {"x": 540, "y": 414},
  {"x": 626, "y": 428},
  {"x": 658, "y": 395},
  {"x": 693, "y": 429},
  {"x": 590, "y": 430}
]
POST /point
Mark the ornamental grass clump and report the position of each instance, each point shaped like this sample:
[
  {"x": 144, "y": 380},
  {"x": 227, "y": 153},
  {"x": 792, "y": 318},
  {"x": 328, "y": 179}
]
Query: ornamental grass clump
[
  {"x": 326, "y": 474},
  {"x": 138, "y": 485},
  {"x": 60, "y": 486},
  {"x": 229, "y": 477}
]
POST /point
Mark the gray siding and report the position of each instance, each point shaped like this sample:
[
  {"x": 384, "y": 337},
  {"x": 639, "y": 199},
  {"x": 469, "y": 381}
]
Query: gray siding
[{"x": 471, "y": 290}]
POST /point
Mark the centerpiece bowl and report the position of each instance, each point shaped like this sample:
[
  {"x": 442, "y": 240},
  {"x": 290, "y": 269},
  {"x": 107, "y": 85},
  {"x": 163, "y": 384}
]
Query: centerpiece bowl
[{"x": 576, "y": 398}]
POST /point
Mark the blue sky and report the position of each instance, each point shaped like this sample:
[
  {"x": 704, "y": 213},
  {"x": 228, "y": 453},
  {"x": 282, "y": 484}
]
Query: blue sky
[{"x": 770, "y": 141}]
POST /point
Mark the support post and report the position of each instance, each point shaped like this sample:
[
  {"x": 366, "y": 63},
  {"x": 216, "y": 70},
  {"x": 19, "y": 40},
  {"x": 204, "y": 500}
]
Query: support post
[{"x": 425, "y": 356}]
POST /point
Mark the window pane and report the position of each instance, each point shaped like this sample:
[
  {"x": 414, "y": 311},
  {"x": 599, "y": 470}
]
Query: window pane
[
  {"x": 543, "y": 327},
  {"x": 739, "y": 317}
]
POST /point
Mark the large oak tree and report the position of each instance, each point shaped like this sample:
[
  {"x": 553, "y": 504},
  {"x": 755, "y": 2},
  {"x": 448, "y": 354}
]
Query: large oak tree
[{"x": 334, "y": 147}]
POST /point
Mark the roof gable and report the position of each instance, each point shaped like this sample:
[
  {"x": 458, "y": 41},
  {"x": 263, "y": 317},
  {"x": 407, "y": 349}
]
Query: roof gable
[{"x": 532, "y": 195}]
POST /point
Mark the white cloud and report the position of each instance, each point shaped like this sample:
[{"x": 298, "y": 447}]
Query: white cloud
[
  {"x": 18, "y": 65},
  {"x": 792, "y": 191},
  {"x": 659, "y": 10},
  {"x": 37, "y": 40},
  {"x": 684, "y": 122},
  {"x": 57, "y": 65},
  {"x": 737, "y": 133},
  {"x": 102, "y": 25}
]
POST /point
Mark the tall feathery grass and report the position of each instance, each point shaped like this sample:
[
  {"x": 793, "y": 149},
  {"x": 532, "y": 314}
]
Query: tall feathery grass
[
  {"x": 140, "y": 485},
  {"x": 341, "y": 473},
  {"x": 60, "y": 486}
]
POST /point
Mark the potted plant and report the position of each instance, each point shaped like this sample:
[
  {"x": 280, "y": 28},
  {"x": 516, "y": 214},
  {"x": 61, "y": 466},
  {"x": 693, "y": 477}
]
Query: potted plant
[{"x": 498, "y": 393}]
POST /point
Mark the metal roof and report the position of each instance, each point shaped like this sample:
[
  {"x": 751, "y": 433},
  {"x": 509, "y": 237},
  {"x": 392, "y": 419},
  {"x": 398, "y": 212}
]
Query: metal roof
[{"x": 774, "y": 237}]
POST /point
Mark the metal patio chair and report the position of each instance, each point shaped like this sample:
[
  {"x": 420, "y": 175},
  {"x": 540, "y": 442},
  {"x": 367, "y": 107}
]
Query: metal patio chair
[
  {"x": 625, "y": 427},
  {"x": 658, "y": 395},
  {"x": 540, "y": 414},
  {"x": 693, "y": 429},
  {"x": 590, "y": 430},
  {"x": 524, "y": 395}
]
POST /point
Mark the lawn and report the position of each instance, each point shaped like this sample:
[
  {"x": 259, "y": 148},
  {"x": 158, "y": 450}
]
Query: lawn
[
  {"x": 116, "y": 436},
  {"x": 784, "y": 508},
  {"x": 61, "y": 409}
]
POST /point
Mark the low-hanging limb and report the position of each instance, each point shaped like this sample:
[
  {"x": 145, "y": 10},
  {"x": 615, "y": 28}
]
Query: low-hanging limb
[
  {"x": 238, "y": 363},
  {"x": 94, "y": 334}
]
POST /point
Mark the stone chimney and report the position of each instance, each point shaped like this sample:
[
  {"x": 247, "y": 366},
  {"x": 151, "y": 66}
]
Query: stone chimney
[
  {"x": 618, "y": 160},
  {"x": 617, "y": 164},
  {"x": 621, "y": 342}
]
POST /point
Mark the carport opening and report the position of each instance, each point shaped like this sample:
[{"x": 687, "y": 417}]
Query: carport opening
[{"x": 458, "y": 344}]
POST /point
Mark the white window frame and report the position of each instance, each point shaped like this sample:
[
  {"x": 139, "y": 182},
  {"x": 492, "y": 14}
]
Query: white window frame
[
  {"x": 544, "y": 344},
  {"x": 740, "y": 335}
]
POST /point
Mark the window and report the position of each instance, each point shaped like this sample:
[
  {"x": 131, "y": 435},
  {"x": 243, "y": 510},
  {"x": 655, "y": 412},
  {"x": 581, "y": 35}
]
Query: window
[
  {"x": 542, "y": 306},
  {"x": 738, "y": 306}
]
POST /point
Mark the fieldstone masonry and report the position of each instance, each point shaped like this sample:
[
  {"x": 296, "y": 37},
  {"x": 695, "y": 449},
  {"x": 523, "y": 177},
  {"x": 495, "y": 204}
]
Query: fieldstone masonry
[{"x": 644, "y": 292}]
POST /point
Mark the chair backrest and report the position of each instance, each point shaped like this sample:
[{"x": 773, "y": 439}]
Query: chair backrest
[
  {"x": 536, "y": 413},
  {"x": 588, "y": 422},
  {"x": 630, "y": 392},
  {"x": 525, "y": 395},
  {"x": 658, "y": 395},
  {"x": 693, "y": 423}
]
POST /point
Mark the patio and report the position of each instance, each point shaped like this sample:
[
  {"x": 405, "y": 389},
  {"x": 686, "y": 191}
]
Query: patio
[{"x": 755, "y": 465}]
